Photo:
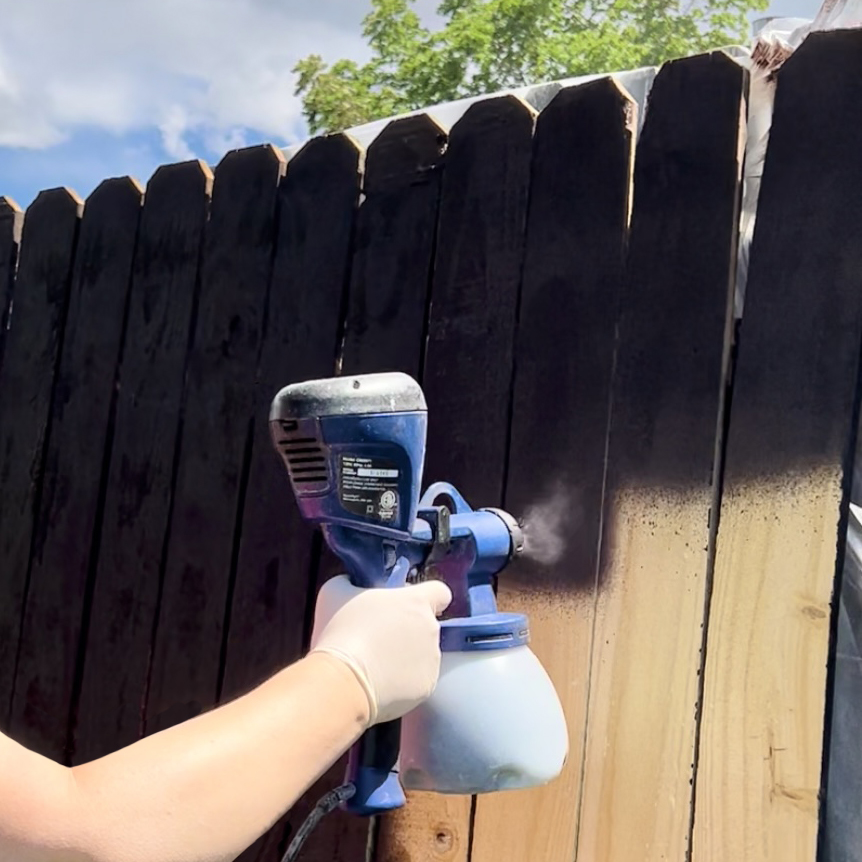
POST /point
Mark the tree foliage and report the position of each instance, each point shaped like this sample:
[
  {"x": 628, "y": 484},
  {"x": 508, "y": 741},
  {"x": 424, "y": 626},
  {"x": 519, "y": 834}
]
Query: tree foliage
[{"x": 488, "y": 45}]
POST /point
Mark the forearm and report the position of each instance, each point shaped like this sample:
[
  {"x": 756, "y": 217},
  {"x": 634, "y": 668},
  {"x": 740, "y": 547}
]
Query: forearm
[{"x": 204, "y": 790}]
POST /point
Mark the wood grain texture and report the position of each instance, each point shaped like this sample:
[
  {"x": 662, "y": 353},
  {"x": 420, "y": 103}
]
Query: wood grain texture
[
  {"x": 140, "y": 478},
  {"x": 667, "y": 405},
  {"x": 215, "y": 437},
  {"x": 787, "y": 475},
  {"x": 477, "y": 278},
  {"x": 11, "y": 220},
  {"x": 26, "y": 383},
  {"x": 576, "y": 232},
  {"x": 70, "y": 509},
  {"x": 317, "y": 203},
  {"x": 390, "y": 280}
]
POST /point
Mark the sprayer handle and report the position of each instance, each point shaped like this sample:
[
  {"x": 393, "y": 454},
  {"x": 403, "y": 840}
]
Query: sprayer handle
[
  {"x": 372, "y": 765},
  {"x": 372, "y": 769}
]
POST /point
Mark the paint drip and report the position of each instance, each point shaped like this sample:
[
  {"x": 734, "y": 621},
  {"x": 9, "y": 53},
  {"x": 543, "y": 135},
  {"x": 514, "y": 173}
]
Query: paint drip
[{"x": 546, "y": 525}]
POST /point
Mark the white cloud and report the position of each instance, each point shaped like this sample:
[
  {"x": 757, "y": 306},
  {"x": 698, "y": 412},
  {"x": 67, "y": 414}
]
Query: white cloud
[
  {"x": 173, "y": 129},
  {"x": 204, "y": 68},
  {"x": 21, "y": 123}
]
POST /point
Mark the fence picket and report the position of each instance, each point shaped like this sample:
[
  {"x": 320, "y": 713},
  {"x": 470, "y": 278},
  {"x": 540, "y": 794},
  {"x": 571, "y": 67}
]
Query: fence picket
[
  {"x": 317, "y": 204},
  {"x": 389, "y": 291},
  {"x": 140, "y": 478},
  {"x": 214, "y": 442},
  {"x": 576, "y": 233},
  {"x": 69, "y": 515},
  {"x": 26, "y": 383},
  {"x": 661, "y": 491},
  {"x": 470, "y": 341}
]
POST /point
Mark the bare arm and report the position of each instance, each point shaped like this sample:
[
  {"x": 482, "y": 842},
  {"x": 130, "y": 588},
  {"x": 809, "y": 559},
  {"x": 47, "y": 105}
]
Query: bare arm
[
  {"x": 199, "y": 792},
  {"x": 205, "y": 790}
]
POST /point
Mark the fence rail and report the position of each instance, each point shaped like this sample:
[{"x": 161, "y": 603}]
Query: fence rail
[{"x": 564, "y": 292}]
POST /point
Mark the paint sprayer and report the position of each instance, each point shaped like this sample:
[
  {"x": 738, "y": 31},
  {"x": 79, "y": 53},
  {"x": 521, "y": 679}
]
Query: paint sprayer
[{"x": 354, "y": 448}]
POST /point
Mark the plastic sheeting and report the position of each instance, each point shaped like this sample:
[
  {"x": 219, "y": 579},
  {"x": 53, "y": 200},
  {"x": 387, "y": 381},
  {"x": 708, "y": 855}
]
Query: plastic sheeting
[{"x": 636, "y": 82}]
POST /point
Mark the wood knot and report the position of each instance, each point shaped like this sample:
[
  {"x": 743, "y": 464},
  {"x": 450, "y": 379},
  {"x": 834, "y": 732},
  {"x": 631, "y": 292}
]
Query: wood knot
[{"x": 444, "y": 840}]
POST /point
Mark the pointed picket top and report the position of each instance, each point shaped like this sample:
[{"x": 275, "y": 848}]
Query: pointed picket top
[
  {"x": 116, "y": 191},
  {"x": 8, "y": 205},
  {"x": 262, "y": 152},
  {"x": 11, "y": 212},
  {"x": 60, "y": 197},
  {"x": 494, "y": 112},
  {"x": 185, "y": 176},
  {"x": 327, "y": 153},
  {"x": 596, "y": 91},
  {"x": 411, "y": 145}
]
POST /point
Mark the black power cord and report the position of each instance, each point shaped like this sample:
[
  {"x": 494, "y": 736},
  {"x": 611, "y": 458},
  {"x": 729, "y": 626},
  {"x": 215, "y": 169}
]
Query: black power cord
[{"x": 327, "y": 804}]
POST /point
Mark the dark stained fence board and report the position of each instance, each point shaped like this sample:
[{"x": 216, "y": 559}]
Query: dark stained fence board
[
  {"x": 468, "y": 371},
  {"x": 787, "y": 476},
  {"x": 80, "y": 438},
  {"x": 317, "y": 202},
  {"x": 219, "y": 407},
  {"x": 576, "y": 234},
  {"x": 394, "y": 247},
  {"x": 317, "y": 199},
  {"x": 390, "y": 278},
  {"x": 11, "y": 219},
  {"x": 393, "y": 257},
  {"x": 477, "y": 280},
  {"x": 667, "y": 406},
  {"x": 26, "y": 383},
  {"x": 164, "y": 280}
]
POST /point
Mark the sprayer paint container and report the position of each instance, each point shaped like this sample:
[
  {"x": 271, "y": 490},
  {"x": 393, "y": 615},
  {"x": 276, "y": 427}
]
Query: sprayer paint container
[{"x": 494, "y": 721}]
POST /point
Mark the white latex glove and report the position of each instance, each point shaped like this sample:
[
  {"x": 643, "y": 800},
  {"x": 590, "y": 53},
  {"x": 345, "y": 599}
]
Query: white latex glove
[{"x": 388, "y": 637}]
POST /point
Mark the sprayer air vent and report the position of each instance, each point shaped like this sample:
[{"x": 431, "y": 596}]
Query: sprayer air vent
[{"x": 305, "y": 458}]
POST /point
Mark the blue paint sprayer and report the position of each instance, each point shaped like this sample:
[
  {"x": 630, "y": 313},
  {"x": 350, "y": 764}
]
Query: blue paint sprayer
[{"x": 354, "y": 448}]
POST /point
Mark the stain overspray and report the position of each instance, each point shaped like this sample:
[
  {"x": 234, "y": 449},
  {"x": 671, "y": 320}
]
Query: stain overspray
[{"x": 548, "y": 523}]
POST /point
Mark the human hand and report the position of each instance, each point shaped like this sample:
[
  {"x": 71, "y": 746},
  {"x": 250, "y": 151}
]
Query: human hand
[{"x": 388, "y": 637}]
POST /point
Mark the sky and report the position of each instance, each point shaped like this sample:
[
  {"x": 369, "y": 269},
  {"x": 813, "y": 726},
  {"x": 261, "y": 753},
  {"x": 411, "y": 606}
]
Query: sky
[{"x": 100, "y": 88}]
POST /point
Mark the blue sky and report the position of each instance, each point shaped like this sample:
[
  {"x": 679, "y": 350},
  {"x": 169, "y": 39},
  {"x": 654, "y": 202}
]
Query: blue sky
[{"x": 99, "y": 88}]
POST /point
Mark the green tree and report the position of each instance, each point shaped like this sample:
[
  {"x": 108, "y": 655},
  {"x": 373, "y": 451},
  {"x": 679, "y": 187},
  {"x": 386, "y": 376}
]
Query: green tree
[{"x": 488, "y": 45}]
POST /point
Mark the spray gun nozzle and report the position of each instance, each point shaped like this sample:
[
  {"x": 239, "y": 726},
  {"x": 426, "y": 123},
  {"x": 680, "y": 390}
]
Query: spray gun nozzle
[{"x": 516, "y": 533}]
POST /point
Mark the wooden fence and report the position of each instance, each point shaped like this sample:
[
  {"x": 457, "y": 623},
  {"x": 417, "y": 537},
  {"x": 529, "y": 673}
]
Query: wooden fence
[{"x": 569, "y": 310}]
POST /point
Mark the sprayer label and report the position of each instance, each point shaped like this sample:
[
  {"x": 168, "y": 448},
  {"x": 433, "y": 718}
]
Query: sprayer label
[{"x": 369, "y": 487}]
